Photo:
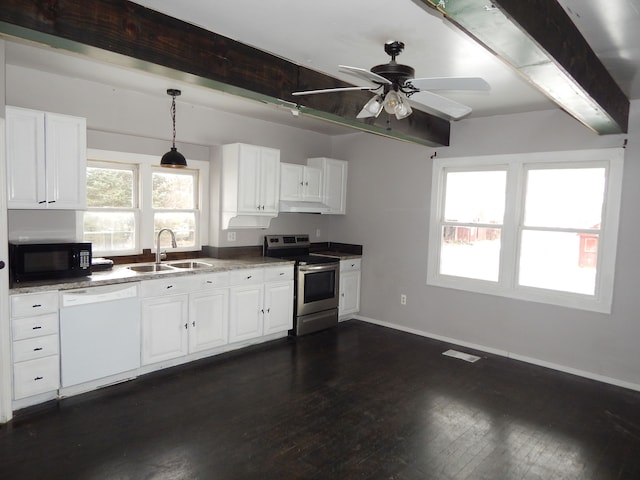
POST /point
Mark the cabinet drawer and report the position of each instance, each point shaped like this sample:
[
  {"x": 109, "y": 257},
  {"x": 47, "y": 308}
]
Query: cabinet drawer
[
  {"x": 350, "y": 264},
  {"x": 247, "y": 276},
  {"x": 167, "y": 286},
  {"x": 213, "y": 280},
  {"x": 36, "y": 376},
  {"x": 35, "y": 348},
  {"x": 34, "y": 304},
  {"x": 284, "y": 272},
  {"x": 34, "y": 326}
]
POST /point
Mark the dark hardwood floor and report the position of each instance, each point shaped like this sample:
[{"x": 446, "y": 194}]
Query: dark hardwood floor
[{"x": 356, "y": 402}]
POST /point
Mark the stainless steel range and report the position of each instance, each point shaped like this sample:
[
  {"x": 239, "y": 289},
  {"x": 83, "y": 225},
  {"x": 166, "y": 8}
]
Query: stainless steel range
[{"x": 316, "y": 291}]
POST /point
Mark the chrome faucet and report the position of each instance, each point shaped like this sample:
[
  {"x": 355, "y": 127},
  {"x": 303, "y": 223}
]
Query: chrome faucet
[{"x": 160, "y": 256}]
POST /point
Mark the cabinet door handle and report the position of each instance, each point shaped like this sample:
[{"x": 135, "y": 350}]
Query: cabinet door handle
[
  {"x": 37, "y": 327},
  {"x": 38, "y": 378},
  {"x": 37, "y": 305},
  {"x": 249, "y": 277},
  {"x": 41, "y": 202},
  {"x": 186, "y": 325},
  {"x": 51, "y": 201},
  {"x": 281, "y": 273},
  {"x": 193, "y": 323},
  {"x": 209, "y": 281},
  {"x": 301, "y": 183},
  {"x": 169, "y": 286},
  {"x": 37, "y": 349}
]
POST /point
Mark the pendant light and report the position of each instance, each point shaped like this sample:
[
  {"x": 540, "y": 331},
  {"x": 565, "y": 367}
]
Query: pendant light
[{"x": 173, "y": 158}]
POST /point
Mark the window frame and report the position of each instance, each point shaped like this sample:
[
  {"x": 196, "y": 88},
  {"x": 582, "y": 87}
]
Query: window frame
[
  {"x": 145, "y": 224},
  {"x": 135, "y": 209},
  {"x": 517, "y": 165},
  {"x": 196, "y": 200}
]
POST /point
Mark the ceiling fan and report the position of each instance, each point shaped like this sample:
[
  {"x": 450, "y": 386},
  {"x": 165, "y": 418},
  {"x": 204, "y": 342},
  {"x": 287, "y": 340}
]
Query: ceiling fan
[{"x": 395, "y": 89}]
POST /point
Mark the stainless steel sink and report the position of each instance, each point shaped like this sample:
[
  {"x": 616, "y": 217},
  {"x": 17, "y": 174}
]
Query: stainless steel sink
[
  {"x": 190, "y": 264},
  {"x": 150, "y": 268}
]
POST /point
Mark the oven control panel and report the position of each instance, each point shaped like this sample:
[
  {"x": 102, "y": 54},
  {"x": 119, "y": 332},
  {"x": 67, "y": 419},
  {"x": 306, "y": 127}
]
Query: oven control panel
[{"x": 286, "y": 241}]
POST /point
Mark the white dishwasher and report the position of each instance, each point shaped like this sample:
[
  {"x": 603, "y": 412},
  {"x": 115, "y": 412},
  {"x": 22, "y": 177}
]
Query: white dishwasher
[{"x": 99, "y": 333}]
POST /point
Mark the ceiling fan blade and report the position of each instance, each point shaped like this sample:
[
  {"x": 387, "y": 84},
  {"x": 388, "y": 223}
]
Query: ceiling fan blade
[
  {"x": 365, "y": 75},
  {"x": 450, "y": 83},
  {"x": 329, "y": 90},
  {"x": 432, "y": 101}
]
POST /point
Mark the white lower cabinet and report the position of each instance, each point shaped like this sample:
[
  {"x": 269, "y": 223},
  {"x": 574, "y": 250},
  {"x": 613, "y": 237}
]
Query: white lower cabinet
[
  {"x": 246, "y": 296},
  {"x": 35, "y": 376},
  {"x": 35, "y": 348},
  {"x": 164, "y": 328},
  {"x": 180, "y": 316},
  {"x": 209, "y": 313},
  {"x": 165, "y": 318},
  {"x": 350, "y": 275},
  {"x": 261, "y": 302},
  {"x": 278, "y": 300}
]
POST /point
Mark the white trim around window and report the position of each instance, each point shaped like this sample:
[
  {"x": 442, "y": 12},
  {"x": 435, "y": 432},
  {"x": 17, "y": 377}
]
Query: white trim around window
[
  {"x": 145, "y": 223},
  {"x": 511, "y": 228}
]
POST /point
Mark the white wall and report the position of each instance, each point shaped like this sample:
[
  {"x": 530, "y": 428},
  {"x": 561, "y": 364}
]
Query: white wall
[
  {"x": 130, "y": 121},
  {"x": 389, "y": 197}
]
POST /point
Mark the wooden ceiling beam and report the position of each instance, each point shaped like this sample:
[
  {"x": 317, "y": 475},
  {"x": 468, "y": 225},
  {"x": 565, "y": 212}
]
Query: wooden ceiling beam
[
  {"x": 538, "y": 39},
  {"x": 129, "y": 34}
]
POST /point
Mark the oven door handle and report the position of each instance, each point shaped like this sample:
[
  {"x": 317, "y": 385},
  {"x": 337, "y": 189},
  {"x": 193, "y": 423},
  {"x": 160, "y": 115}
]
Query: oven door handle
[{"x": 317, "y": 268}]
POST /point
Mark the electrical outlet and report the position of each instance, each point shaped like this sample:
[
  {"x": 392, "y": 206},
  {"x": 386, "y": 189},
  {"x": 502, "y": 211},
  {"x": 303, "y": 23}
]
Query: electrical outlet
[
  {"x": 231, "y": 236},
  {"x": 403, "y": 299}
]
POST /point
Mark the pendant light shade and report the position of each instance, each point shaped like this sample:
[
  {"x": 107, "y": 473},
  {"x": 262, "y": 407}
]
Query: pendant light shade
[{"x": 173, "y": 158}]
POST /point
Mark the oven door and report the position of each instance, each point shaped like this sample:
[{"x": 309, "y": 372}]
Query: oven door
[{"x": 317, "y": 288}]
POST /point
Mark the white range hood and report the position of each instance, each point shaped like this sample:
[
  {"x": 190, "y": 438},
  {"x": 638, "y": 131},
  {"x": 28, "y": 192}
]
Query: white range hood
[
  {"x": 232, "y": 220},
  {"x": 302, "y": 207}
]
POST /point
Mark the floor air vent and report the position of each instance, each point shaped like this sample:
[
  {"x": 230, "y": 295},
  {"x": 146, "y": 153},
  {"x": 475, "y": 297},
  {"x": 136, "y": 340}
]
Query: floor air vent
[{"x": 462, "y": 356}]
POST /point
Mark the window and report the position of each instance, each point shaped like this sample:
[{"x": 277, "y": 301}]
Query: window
[
  {"x": 174, "y": 202},
  {"x": 112, "y": 207},
  {"x": 130, "y": 199},
  {"x": 539, "y": 227}
]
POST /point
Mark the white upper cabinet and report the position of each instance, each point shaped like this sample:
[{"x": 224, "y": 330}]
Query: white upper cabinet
[
  {"x": 334, "y": 183},
  {"x": 300, "y": 183},
  {"x": 250, "y": 185},
  {"x": 46, "y": 160}
]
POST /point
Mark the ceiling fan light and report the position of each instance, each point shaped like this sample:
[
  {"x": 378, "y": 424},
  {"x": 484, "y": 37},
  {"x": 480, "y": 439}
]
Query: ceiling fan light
[
  {"x": 391, "y": 102},
  {"x": 403, "y": 110},
  {"x": 372, "y": 108}
]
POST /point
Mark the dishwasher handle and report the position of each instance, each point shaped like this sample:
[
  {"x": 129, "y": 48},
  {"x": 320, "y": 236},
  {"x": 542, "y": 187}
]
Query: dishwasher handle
[{"x": 106, "y": 293}]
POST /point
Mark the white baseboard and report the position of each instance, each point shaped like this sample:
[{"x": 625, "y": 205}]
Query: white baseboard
[{"x": 504, "y": 353}]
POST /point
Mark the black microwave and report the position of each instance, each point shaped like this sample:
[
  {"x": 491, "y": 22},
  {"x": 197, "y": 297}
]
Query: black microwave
[{"x": 30, "y": 261}]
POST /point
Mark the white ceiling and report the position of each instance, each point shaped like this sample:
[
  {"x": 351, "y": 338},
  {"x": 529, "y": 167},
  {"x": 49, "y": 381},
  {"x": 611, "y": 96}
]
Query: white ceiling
[{"x": 322, "y": 35}]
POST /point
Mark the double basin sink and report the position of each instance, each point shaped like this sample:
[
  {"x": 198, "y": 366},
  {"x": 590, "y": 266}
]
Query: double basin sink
[{"x": 169, "y": 267}]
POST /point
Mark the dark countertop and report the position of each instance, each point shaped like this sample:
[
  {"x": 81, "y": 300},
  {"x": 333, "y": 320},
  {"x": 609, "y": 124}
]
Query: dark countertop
[
  {"x": 121, "y": 274},
  {"x": 340, "y": 255}
]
